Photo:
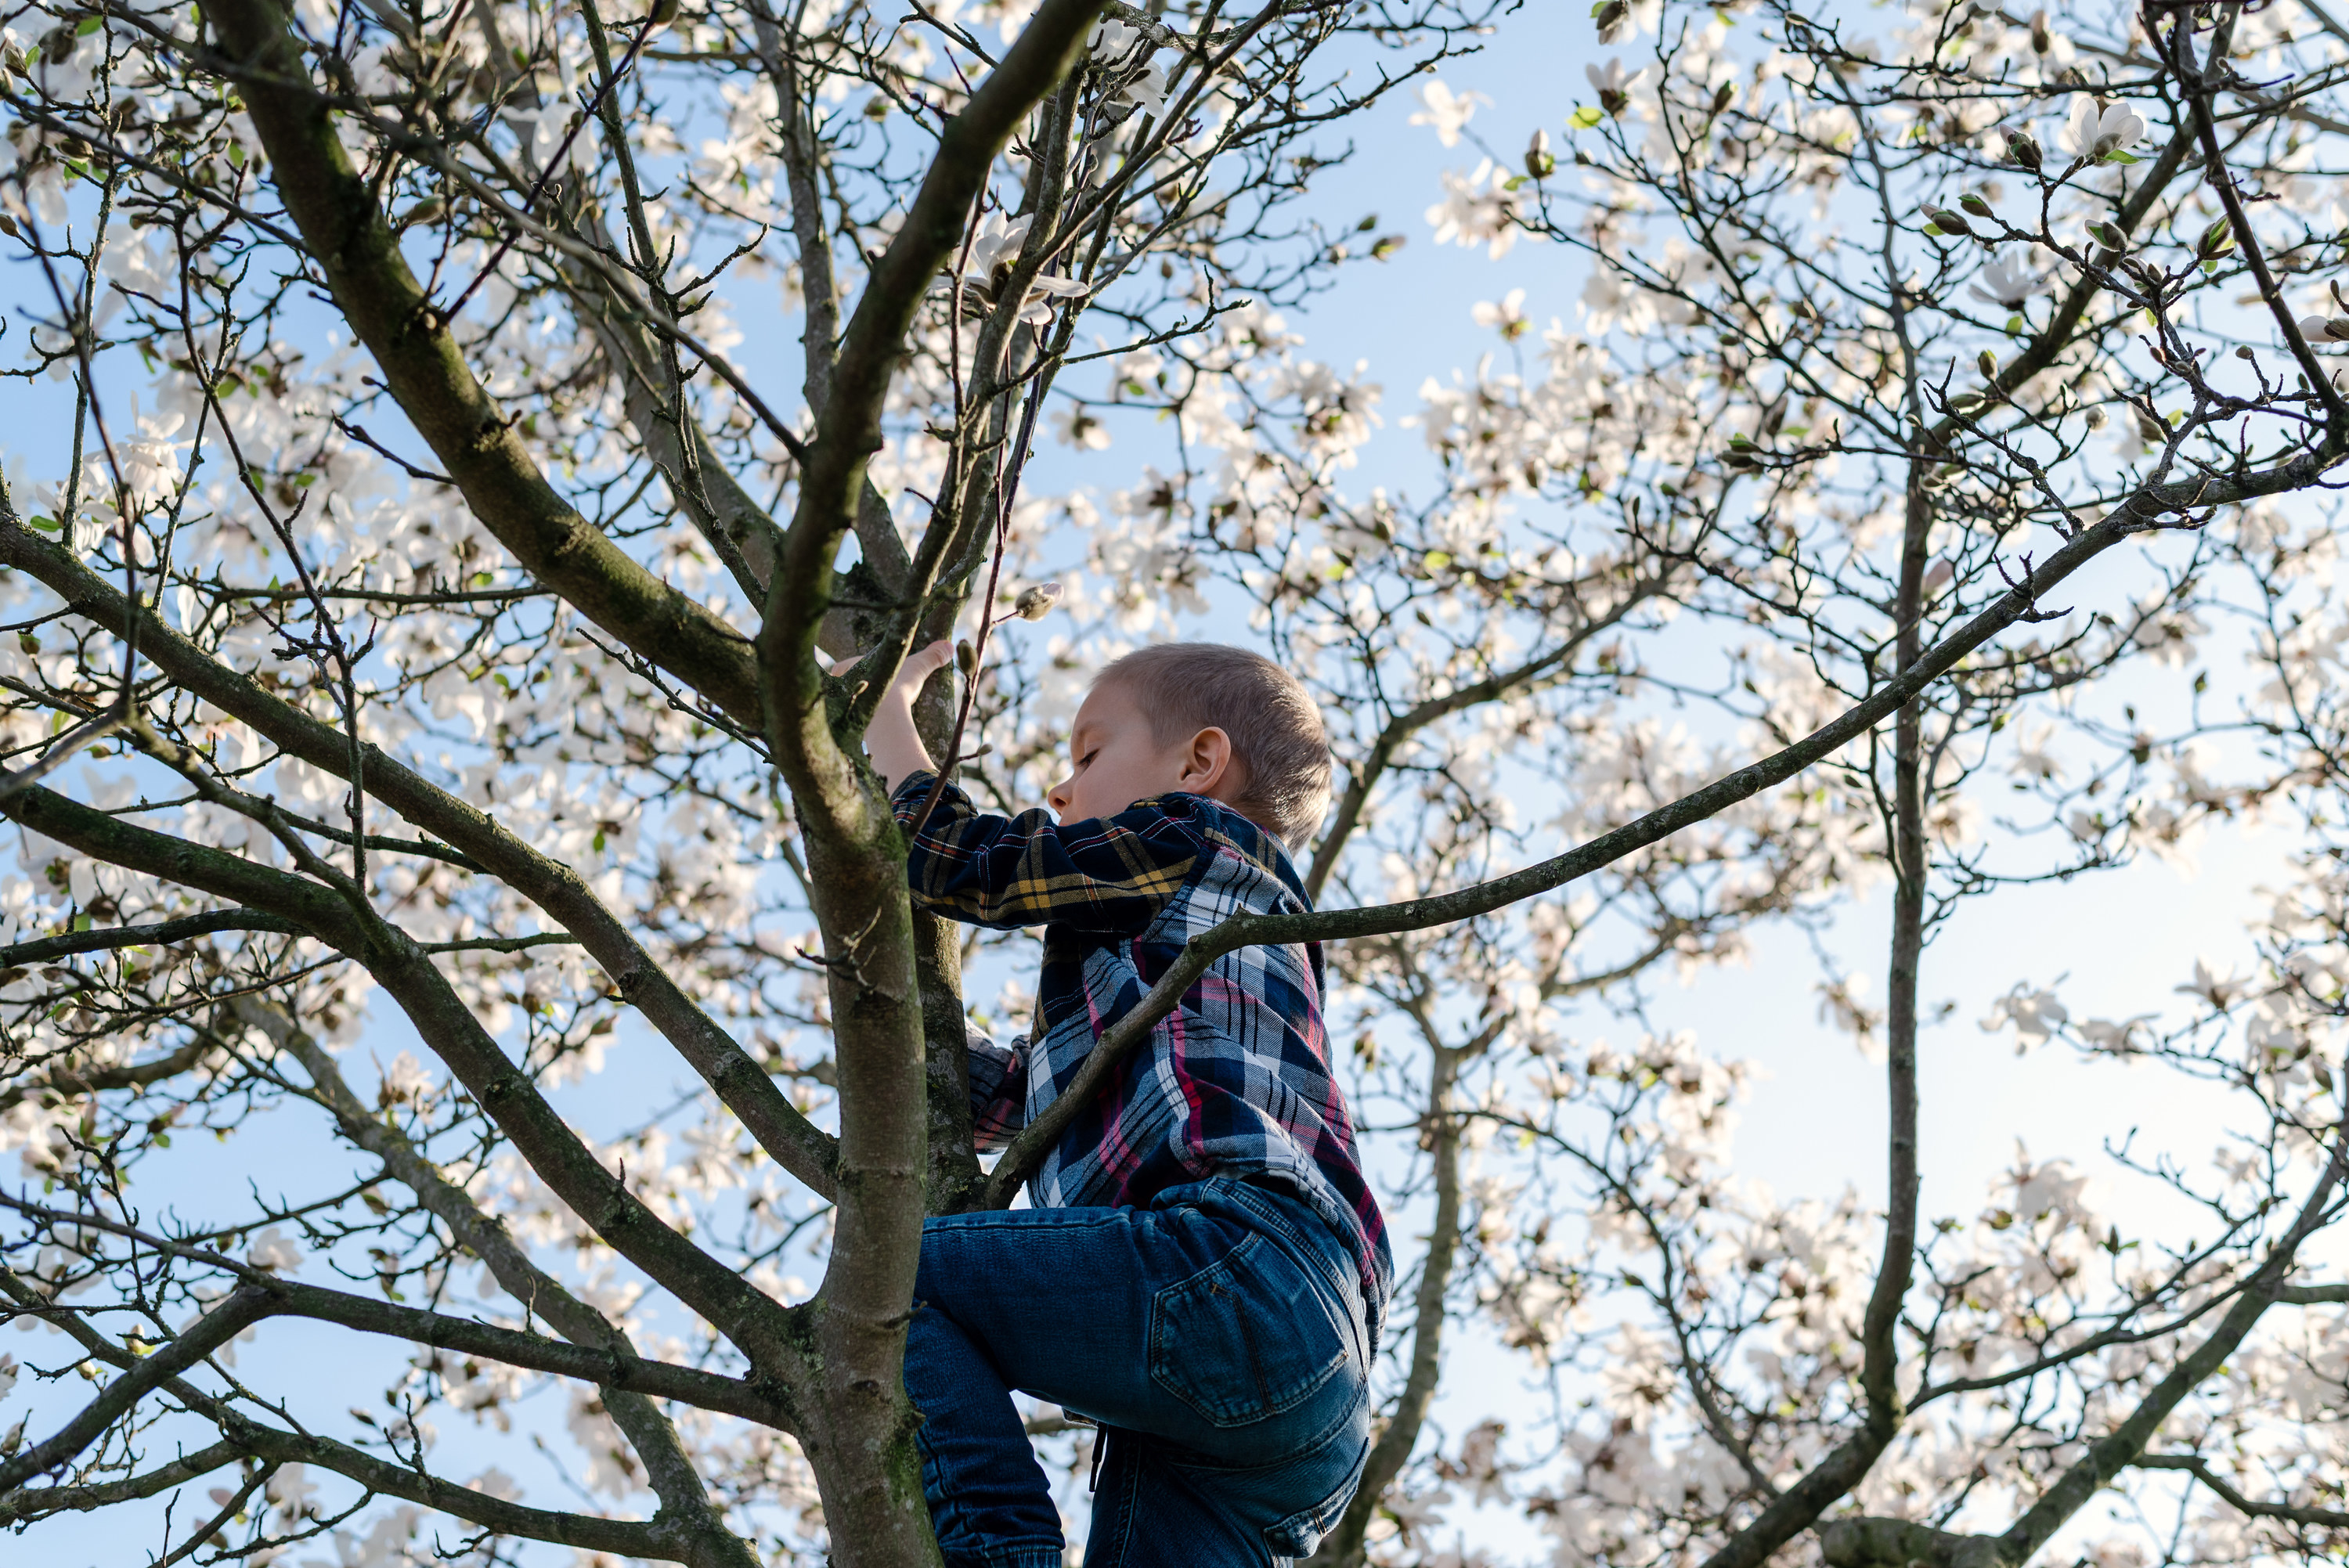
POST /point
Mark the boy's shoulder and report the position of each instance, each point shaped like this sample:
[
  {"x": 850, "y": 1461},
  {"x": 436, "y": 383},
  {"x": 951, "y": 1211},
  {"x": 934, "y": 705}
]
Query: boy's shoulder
[{"x": 1246, "y": 850}]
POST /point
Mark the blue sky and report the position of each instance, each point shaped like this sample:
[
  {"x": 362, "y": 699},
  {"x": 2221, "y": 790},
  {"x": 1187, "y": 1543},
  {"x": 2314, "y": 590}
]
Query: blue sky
[{"x": 1815, "y": 1122}]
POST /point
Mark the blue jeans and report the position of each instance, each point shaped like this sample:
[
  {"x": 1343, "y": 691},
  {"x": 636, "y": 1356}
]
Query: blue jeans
[{"x": 1217, "y": 1337}]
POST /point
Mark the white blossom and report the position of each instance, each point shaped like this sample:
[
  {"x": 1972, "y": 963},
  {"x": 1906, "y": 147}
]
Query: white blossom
[{"x": 1448, "y": 114}]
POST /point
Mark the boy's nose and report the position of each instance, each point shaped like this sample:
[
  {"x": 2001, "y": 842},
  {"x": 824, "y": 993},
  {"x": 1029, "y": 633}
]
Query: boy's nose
[{"x": 1057, "y": 797}]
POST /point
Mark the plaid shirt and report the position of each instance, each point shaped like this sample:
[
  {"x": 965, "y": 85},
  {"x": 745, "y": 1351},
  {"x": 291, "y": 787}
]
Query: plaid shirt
[{"x": 1236, "y": 1081}]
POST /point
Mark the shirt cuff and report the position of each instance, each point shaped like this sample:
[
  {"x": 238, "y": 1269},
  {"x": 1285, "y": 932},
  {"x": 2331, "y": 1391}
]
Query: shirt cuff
[{"x": 908, "y": 796}]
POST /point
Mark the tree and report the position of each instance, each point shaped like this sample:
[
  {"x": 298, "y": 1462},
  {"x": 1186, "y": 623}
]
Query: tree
[{"x": 507, "y": 716}]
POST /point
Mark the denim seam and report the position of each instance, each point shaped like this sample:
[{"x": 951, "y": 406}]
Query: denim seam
[
  {"x": 1304, "y": 1451},
  {"x": 1258, "y": 1204},
  {"x": 1308, "y": 1257}
]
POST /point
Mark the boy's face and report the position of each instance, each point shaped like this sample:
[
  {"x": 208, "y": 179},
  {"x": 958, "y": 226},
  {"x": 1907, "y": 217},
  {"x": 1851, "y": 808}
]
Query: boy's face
[{"x": 1116, "y": 760}]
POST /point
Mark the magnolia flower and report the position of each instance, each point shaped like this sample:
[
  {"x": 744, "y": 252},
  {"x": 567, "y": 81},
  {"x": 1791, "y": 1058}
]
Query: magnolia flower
[
  {"x": 1446, "y": 113},
  {"x": 1111, "y": 42},
  {"x": 2219, "y": 991},
  {"x": 1614, "y": 88},
  {"x": 1146, "y": 91},
  {"x": 997, "y": 244},
  {"x": 1508, "y": 317},
  {"x": 1075, "y": 427},
  {"x": 993, "y": 249},
  {"x": 1036, "y": 308},
  {"x": 2095, "y": 129},
  {"x": 1477, "y": 208},
  {"x": 2010, "y": 278},
  {"x": 2035, "y": 1016},
  {"x": 2320, "y": 329},
  {"x": 272, "y": 1250}
]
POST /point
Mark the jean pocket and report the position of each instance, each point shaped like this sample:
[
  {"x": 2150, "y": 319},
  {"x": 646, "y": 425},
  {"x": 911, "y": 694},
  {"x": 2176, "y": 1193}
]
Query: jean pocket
[{"x": 1246, "y": 1338}]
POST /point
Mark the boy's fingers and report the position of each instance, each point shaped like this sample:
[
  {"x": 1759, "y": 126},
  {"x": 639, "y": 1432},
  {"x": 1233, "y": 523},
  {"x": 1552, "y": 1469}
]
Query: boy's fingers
[{"x": 931, "y": 660}]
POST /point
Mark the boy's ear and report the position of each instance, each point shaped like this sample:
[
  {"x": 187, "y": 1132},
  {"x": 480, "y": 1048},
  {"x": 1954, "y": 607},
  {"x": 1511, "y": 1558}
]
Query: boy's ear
[{"x": 1208, "y": 763}]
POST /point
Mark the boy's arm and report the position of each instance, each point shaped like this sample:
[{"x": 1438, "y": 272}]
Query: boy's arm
[
  {"x": 891, "y": 740},
  {"x": 998, "y": 1091},
  {"x": 1112, "y": 874}
]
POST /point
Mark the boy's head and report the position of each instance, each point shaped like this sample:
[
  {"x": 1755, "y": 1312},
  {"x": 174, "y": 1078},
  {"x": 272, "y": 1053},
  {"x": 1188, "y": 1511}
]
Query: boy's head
[{"x": 1198, "y": 717}]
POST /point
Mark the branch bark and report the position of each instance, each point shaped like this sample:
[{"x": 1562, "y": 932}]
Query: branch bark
[
  {"x": 2290, "y": 1513},
  {"x": 860, "y": 1442}
]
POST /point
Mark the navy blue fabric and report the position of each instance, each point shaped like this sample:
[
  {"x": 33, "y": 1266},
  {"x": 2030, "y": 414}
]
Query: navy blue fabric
[{"x": 1219, "y": 1337}]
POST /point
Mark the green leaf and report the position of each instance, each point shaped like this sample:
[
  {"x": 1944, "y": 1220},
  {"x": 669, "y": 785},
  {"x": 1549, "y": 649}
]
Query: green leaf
[
  {"x": 236, "y": 154},
  {"x": 1437, "y": 560},
  {"x": 2016, "y": 326},
  {"x": 88, "y": 26},
  {"x": 46, "y": 524},
  {"x": 1585, "y": 116},
  {"x": 2119, "y": 157}
]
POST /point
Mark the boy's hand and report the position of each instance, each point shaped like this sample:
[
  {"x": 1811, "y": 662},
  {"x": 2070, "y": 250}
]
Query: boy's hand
[{"x": 891, "y": 741}]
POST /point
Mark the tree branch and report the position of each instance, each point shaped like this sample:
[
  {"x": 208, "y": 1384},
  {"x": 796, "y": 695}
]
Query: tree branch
[
  {"x": 1026, "y": 1151},
  {"x": 788, "y": 1137},
  {"x": 345, "y": 229},
  {"x": 2193, "y": 1465}
]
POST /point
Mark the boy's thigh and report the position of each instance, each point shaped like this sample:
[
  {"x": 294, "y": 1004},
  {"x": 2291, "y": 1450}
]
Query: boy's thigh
[
  {"x": 1160, "y": 1505},
  {"x": 1203, "y": 1323},
  {"x": 1060, "y": 1300}
]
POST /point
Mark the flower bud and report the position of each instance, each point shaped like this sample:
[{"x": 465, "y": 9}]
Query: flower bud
[
  {"x": 2109, "y": 236},
  {"x": 966, "y": 657},
  {"x": 1539, "y": 163},
  {"x": 1974, "y": 204},
  {"x": 1988, "y": 363},
  {"x": 1947, "y": 221},
  {"x": 1610, "y": 15},
  {"x": 2021, "y": 149},
  {"x": 1036, "y": 603},
  {"x": 2216, "y": 242},
  {"x": 2042, "y": 39}
]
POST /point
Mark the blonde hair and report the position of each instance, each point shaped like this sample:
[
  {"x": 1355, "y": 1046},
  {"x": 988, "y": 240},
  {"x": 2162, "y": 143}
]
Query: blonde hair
[{"x": 1278, "y": 741}]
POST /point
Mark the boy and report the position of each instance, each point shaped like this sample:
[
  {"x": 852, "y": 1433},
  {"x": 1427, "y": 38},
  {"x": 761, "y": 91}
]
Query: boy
[{"x": 1204, "y": 1271}]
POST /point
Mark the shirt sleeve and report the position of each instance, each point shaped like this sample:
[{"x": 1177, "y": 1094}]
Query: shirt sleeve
[
  {"x": 1109, "y": 875},
  {"x": 998, "y": 1091}
]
